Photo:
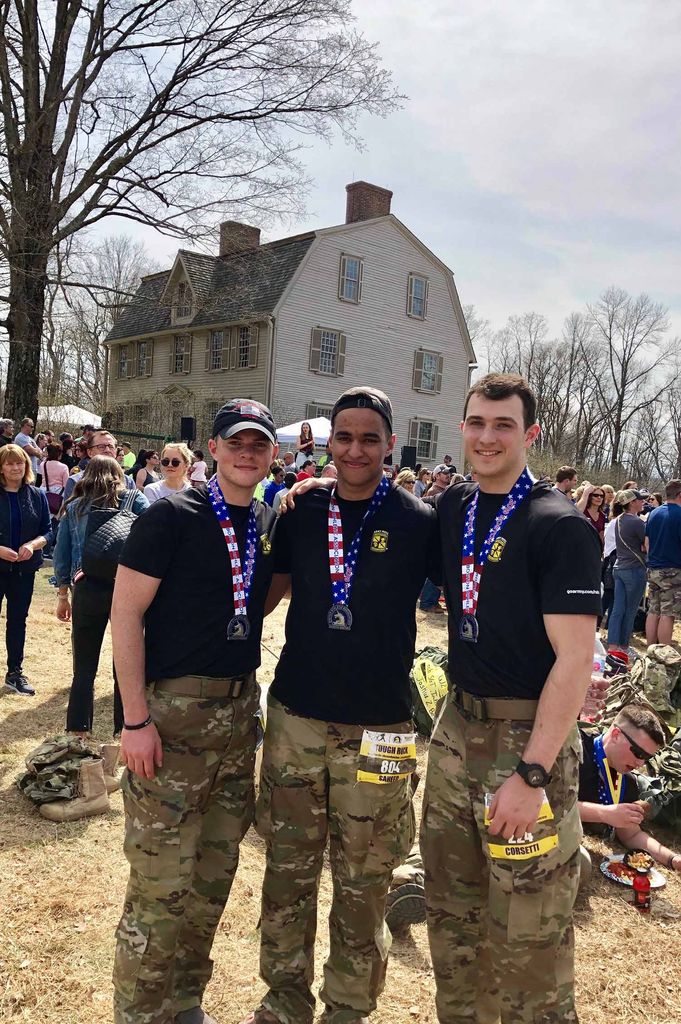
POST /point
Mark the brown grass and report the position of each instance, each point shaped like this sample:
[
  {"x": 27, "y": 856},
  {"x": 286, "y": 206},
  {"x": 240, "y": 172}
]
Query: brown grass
[{"x": 61, "y": 889}]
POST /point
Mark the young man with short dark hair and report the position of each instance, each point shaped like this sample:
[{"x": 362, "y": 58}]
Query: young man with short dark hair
[
  {"x": 186, "y": 622},
  {"x": 566, "y": 480},
  {"x": 339, "y": 746},
  {"x": 608, "y": 793},
  {"x": 501, "y": 832}
]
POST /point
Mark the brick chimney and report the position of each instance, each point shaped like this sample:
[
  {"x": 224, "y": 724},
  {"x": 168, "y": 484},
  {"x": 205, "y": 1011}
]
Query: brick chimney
[
  {"x": 236, "y": 237},
  {"x": 365, "y": 201}
]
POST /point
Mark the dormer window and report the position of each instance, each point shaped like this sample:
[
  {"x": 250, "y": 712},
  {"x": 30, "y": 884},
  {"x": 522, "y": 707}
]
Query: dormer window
[{"x": 183, "y": 301}]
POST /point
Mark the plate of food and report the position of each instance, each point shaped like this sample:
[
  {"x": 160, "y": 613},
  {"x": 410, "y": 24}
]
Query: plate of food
[{"x": 622, "y": 868}]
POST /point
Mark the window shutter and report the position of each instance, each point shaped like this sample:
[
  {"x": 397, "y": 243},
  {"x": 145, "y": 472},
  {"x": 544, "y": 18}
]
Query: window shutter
[
  {"x": 426, "y": 289},
  {"x": 340, "y": 362},
  {"x": 341, "y": 275},
  {"x": 207, "y": 353},
  {"x": 253, "y": 347},
  {"x": 171, "y": 361},
  {"x": 438, "y": 378},
  {"x": 359, "y": 280},
  {"x": 414, "y": 432},
  {"x": 315, "y": 350},
  {"x": 433, "y": 441},
  {"x": 417, "y": 375},
  {"x": 410, "y": 293},
  {"x": 187, "y": 359}
]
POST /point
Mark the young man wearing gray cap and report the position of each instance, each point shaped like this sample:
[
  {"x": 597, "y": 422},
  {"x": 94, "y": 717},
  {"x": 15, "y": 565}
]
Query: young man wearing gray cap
[
  {"x": 339, "y": 747},
  {"x": 186, "y": 620}
]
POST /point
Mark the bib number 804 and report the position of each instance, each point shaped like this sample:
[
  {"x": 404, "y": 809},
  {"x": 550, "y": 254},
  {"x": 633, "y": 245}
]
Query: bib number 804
[{"x": 390, "y": 767}]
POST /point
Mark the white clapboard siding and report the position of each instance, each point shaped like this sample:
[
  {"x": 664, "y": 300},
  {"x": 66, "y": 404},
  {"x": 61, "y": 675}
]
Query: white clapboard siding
[{"x": 380, "y": 339}]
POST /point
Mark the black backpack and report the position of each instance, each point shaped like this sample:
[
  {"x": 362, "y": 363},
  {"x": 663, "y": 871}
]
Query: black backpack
[{"x": 105, "y": 535}]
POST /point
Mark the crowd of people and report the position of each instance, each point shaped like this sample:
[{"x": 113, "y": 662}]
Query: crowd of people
[{"x": 187, "y": 568}]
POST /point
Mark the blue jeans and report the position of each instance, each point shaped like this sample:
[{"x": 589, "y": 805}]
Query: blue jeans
[
  {"x": 629, "y": 587},
  {"x": 430, "y": 596}
]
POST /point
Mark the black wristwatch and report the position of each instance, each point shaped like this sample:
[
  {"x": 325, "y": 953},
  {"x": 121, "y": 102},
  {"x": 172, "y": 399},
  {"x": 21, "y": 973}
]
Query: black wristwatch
[{"x": 533, "y": 774}]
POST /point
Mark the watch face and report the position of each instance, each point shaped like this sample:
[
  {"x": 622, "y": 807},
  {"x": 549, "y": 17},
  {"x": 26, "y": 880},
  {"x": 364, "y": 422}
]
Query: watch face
[{"x": 535, "y": 777}]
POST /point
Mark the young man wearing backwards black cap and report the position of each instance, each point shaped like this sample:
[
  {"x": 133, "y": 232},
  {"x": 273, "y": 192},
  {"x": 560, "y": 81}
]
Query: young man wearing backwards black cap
[
  {"x": 186, "y": 620},
  {"x": 339, "y": 745}
]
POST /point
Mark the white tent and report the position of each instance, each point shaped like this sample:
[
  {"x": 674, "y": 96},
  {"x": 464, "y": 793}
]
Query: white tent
[
  {"x": 321, "y": 428},
  {"x": 72, "y": 415}
]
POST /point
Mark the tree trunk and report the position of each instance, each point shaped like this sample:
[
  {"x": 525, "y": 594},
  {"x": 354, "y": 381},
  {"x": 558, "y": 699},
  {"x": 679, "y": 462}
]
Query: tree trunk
[{"x": 28, "y": 283}]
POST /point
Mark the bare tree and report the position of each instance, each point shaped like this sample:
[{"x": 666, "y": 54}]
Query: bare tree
[
  {"x": 160, "y": 111},
  {"x": 631, "y": 333},
  {"x": 95, "y": 283}
]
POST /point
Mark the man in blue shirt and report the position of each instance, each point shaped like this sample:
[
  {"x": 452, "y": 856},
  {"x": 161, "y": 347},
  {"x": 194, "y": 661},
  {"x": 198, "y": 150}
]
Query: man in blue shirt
[
  {"x": 663, "y": 541},
  {"x": 276, "y": 485}
]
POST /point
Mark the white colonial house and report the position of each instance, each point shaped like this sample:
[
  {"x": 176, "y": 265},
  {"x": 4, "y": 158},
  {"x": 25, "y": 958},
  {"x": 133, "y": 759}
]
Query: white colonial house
[{"x": 294, "y": 323}]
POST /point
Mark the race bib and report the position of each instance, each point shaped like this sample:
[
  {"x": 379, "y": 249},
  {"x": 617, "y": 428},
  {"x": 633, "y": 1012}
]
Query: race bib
[
  {"x": 386, "y": 756},
  {"x": 526, "y": 847}
]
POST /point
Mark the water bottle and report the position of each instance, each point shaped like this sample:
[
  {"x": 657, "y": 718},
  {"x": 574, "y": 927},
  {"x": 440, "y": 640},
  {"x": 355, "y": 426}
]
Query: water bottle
[{"x": 600, "y": 655}]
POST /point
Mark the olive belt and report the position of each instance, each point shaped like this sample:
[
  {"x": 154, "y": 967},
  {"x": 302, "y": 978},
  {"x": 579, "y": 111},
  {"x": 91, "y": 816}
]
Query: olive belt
[
  {"x": 203, "y": 686},
  {"x": 484, "y": 708}
]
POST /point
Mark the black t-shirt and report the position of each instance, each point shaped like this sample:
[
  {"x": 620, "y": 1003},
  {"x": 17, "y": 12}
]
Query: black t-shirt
[
  {"x": 546, "y": 560},
  {"x": 179, "y": 541},
  {"x": 360, "y": 676},
  {"x": 588, "y": 776}
]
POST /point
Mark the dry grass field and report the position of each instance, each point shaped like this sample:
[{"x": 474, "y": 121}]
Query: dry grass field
[{"x": 61, "y": 889}]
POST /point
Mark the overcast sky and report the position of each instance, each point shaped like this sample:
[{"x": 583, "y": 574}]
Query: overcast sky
[{"x": 538, "y": 152}]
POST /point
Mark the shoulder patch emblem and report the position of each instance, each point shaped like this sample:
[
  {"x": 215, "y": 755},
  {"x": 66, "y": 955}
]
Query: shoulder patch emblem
[
  {"x": 379, "y": 541},
  {"x": 265, "y": 544},
  {"x": 497, "y": 549}
]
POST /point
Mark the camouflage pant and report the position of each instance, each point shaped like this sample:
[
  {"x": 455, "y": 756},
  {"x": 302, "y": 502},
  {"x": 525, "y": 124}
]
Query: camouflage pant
[
  {"x": 182, "y": 835},
  {"x": 664, "y": 592},
  {"x": 500, "y": 931},
  {"x": 309, "y": 790}
]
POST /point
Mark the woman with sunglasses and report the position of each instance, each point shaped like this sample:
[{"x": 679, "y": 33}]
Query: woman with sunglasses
[
  {"x": 144, "y": 470},
  {"x": 591, "y": 503},
  {"x": 176, "y": 461}
]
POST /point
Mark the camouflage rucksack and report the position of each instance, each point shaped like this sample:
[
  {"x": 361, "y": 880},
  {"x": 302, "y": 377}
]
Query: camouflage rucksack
[{"x": 53, "y": 769}]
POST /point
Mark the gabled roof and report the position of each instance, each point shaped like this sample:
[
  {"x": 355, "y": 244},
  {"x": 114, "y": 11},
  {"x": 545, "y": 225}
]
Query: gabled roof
[{"x": 227, "y": 289}]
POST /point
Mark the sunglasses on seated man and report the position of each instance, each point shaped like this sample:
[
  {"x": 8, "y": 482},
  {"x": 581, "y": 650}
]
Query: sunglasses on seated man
[{"x": 638, "y": 752}]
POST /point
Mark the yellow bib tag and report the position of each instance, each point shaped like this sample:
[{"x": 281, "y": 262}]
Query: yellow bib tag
[
  {"x": 386, "y": 756},
  {"x": 431, "y": 683},
  {"x": 545, "y": 812},
  {"x": 523, "y": 850}
]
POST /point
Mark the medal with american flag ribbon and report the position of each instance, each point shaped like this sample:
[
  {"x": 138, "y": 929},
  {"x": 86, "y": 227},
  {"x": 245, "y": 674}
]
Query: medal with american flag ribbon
[
  {"x": 238, "y": 627},
  {"x": 471, "y": 571},
  {"x": 342, "y": 572}
]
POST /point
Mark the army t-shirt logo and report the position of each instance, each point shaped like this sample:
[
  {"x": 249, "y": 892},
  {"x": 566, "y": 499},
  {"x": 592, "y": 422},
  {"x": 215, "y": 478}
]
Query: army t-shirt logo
[
  {"x": 379, "y": 541},
  {"x": 265, "y": 544},
  {"x": 497, "y": 549}
]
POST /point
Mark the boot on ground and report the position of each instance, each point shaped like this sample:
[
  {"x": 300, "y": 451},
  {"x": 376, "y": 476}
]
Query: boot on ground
[
  {"x": 92, "y": 799},
  {"x": 110, "y": 752}
]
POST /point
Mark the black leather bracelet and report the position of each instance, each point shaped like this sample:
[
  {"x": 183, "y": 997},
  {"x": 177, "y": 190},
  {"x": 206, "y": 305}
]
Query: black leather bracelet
[{"x": 140, "y": 725}]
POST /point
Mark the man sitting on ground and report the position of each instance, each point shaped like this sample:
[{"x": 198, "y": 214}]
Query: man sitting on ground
[{"x": 608, "y": 793}]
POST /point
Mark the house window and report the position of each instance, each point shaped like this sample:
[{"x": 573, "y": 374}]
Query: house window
[
  {"x": 327, "y": 352},
  {"x": 417, "y": 297},
  {"x": 427, "y": 373},
  {"x": 123, "y": 367},
  {"x": 312, "y": 411},
  {"x": 216, "y": 348},
  {"x": 211, "y": 411},
  {"x": 244, "y": 347},
  {"x": 423, "y": 435},
  {"x": 181, "y": 354},
  {"x": 350, "y": 279},
  {"x": 145, "y": 356},
  {"x": 183, "y": 306}
]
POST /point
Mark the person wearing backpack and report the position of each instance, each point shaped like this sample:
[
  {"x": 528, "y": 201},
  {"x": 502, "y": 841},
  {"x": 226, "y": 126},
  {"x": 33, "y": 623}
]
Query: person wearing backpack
[{"x": 100, "y": 502}]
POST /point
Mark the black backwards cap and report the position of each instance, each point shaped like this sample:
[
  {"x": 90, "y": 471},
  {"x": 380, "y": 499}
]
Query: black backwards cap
[
  {"x": 365, "y": 398},
  {"x": 244, "y": 414}
]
